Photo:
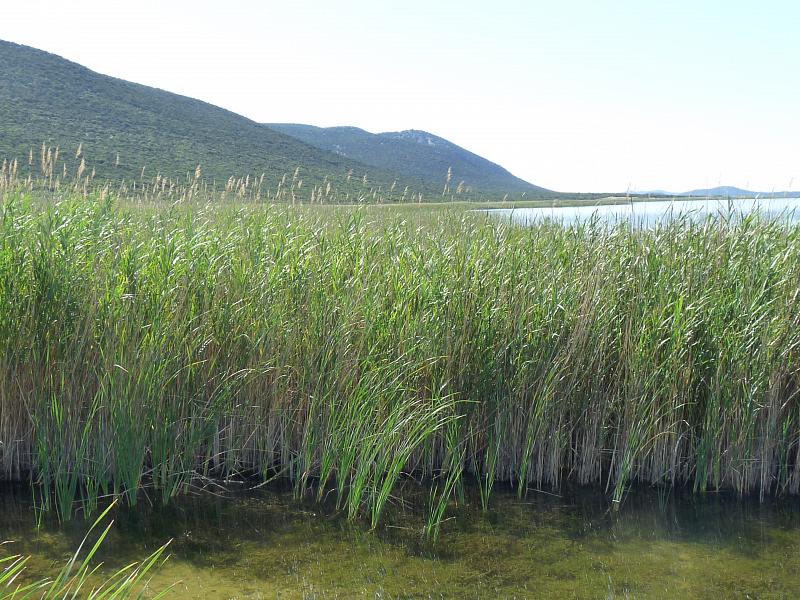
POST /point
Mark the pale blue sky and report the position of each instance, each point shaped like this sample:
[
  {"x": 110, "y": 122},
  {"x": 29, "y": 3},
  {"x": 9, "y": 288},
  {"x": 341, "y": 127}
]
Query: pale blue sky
[{"x": 572, "y": 95}]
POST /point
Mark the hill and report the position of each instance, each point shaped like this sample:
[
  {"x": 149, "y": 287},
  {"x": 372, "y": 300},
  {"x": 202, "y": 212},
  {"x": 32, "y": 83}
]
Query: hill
[
  {"x": 723, "y": 191},
  {"x": 719, "y": 192},
  {"x": 419, "y": 156},
  {"x": 727, "y": 191},
  {"x": 122, "y": 127},
  {"x": 47, "y": 99}
]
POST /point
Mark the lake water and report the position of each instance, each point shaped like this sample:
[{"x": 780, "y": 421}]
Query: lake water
[
  {"x": 267, "y": 545},
  {"x": 647, "y": 213}
]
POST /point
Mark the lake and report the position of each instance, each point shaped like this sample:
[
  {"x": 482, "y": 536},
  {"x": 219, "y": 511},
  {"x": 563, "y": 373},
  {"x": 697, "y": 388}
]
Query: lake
[
  {"x": 266, "y": 544},
  {"x": 648, "y": 213}
]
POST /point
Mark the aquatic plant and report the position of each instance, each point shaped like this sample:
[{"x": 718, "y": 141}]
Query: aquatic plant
[
  {"x": 346, "y": 349},
  {"x": 77, "y": 577}
]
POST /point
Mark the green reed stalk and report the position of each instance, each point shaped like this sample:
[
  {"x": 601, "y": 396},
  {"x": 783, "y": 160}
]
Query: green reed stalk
[{"x": 346, "y": 349}]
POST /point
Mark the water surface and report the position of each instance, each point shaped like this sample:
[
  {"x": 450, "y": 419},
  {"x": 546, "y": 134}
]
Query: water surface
[
  {"x": 267, "y": 545},
  {"x": 648, "y": 213}
]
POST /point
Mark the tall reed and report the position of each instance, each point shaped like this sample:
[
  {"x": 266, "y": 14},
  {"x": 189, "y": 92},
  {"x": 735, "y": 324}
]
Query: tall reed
[
  {"x": 340, "y": 350},
  {"x": 45, "y": 173}
]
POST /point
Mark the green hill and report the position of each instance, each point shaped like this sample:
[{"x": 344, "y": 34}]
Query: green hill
[
  {"x": 122, "y": 127},
  {"x": 47, "y": 99},
  {"x": 727, "y": 191},
  {"x": 420, "y": 156}
]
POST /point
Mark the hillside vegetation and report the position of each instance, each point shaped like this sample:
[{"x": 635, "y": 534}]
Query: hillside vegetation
[
  {"x": 122, "y": 127},
  {"x": 117, "y": 128},
  {"x": 418, "y": 155}
]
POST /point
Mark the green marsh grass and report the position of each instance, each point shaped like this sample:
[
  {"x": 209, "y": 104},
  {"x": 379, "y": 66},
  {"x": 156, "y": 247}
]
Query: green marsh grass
[{"x": 346, "y": 349}]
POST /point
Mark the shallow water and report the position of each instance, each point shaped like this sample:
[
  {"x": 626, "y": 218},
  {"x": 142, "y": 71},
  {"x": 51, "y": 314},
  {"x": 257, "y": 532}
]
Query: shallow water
[
  {"x": 267, "y": 545},
  {"x": 649, "y": 213}
]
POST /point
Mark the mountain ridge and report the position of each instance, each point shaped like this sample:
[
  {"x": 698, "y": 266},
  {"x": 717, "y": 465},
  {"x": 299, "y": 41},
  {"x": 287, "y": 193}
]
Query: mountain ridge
[
  {"x": 723, "y": 191},
  {"x": 734, "y": 192},
  {"x": 122, "y": 127},
  {"x": 48, "y": 99},
  {"x": 419, "y": 154}
]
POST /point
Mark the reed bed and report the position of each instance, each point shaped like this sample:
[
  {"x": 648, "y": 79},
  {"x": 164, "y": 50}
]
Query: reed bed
[
  {"x": 50, "y": 170},
  {"x": 344, "y": 352}
]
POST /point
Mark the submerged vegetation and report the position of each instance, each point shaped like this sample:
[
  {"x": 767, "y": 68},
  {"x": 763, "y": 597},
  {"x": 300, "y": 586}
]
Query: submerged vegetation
[
  {"x": 266, "y": 544},
  {"x": 76, "y": 577},
  {"x": 343, "y": 350}
]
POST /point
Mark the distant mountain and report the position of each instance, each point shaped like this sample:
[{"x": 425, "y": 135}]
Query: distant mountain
[
  {"x": 651, "y": 192},
  {"x": 415, "y": 155},
  {"x": 47, "y": 99},
  {"x": 720, "y": 192},
  {"x": 724, "y": 191}
]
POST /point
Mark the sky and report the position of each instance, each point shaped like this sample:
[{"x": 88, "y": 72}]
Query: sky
[{"x": 577, "y": 96}]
